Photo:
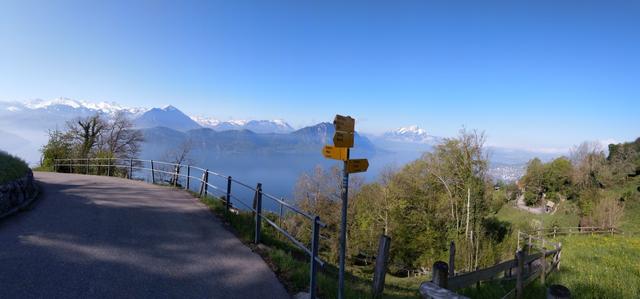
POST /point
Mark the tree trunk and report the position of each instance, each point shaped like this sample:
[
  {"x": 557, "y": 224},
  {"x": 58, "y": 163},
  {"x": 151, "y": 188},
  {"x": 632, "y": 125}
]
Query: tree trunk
[{"x": 466, "y": 231}]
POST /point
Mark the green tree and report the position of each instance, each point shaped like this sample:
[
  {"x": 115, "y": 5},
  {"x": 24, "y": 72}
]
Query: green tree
[
  {"x": 534, "y": 181},
  {"x": 557, "y": 177},
  {"x": 319, "y": 193},
  {"x": 85, "y": 132},
  {"x": 59, "y": 146}
]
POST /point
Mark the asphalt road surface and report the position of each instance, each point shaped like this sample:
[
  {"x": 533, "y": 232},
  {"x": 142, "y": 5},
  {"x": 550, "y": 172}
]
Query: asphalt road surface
[{"x": 104, "y": 237}]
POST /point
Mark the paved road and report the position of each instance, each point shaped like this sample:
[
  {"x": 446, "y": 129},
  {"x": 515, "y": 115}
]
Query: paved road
[{"x": 102, "y": 237}]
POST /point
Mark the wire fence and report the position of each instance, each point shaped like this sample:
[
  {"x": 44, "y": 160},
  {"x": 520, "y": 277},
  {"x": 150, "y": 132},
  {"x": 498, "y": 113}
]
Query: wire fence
[{"x": 206, "y": 182}]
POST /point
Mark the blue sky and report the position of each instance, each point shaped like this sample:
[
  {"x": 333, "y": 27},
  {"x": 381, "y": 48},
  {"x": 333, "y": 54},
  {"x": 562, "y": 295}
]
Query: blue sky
[{"x": 538, "y": 74}]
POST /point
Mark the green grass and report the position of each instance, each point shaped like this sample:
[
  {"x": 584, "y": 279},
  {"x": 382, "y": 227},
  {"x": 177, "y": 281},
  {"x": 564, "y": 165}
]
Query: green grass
[
  {"x": 11, "y": 168},
  {"x": 43, "y": 168},
  {"x": 631, "y": 219},
  {"x": 590, "y": 267},
  {"x": 597, "y": 267},
  {"x": 291, "y": 264}
]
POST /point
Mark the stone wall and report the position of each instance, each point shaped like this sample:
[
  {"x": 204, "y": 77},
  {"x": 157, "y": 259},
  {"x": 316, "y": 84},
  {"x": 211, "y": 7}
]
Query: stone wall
[{"x": 16, "y": 194}]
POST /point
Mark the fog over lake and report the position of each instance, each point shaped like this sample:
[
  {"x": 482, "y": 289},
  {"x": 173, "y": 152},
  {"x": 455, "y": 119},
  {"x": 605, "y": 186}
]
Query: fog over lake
[{"x": 278, "y": 173}]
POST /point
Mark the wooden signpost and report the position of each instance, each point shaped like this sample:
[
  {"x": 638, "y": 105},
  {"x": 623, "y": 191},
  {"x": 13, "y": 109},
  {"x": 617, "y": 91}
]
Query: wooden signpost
[
  {"x": 336, "y": 153},
  {"x": 342, "y": 142},
  {"x": 357, "y": 165},
  {"x": 343, "y": 139}
]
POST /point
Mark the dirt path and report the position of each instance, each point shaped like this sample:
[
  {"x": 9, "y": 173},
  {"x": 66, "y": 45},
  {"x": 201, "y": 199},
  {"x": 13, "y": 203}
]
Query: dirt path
[{"x": 522, "y": 206}]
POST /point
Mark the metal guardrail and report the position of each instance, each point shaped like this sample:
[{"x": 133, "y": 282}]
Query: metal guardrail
[{"x": 106, "y": 165}]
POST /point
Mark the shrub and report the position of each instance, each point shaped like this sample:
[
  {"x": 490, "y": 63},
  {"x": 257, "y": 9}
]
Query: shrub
[
  {"x": 531, "y": 198},
  {"x": 11, "y": 168}
]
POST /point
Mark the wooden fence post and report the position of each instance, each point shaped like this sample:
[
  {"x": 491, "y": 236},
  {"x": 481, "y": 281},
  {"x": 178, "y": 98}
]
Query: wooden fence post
[
  {"x": 519, "y": 273},
  {"x": 439, "y": 274},
  {"x": 202, "y": 184},
  {"x": 543, "y": 267},
  {"x": 315, "y": 234},
  {"x": 559, "y": 255},
  {"x": 452, "y": 259},
  {"x": 381, "y": 266},
  {"x": 130, "y": 168},
  {"x": 557, "y": 291},
  {"x": 256, "y": 238}
]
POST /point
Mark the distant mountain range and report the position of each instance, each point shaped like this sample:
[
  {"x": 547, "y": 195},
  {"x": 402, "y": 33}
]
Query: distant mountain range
[
  {"x": 24, "y": 126},
  {"x": 59, "y": 110},
  {"x": 412, "y": 134},
  {"x": 258, "y": 126},
  {"x": 308, "y": 140}
]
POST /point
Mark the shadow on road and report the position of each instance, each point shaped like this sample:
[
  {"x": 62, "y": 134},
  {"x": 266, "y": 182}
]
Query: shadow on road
[{"x": 110, "y": 237}]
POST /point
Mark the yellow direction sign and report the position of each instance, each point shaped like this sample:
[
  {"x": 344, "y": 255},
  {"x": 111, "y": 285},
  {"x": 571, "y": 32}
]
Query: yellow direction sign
[
  {"x": 357, "y": 165},
  {"x": 336, "y": 153},
  {"x": 343, "y": 139},
  {"x": 344, "y": 123}
]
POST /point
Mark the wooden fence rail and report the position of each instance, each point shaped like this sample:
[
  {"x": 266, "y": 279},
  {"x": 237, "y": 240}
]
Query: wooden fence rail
[
  {"x": 563, "y": 231},
  {"x": 522, "y": 263}
]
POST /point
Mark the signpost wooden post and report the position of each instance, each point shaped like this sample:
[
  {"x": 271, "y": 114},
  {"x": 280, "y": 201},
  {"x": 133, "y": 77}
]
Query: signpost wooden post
[{"x": 343, "y": 140}]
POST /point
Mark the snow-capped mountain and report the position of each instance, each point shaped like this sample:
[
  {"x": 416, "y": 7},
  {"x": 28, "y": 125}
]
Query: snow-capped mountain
[
  {"x": 31, "y": 120},
  {"x": 258, "y": 126},
  {"x": 411, "y": 134},
  {"x": 206, "y": 122},
  {"x": 167, "y": 116},
  {"x": 66, "y": 103}
]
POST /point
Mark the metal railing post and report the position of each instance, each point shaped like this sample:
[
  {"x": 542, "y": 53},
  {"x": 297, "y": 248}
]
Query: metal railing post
[
  {"x": 228, "y": 203},
  {"x": 87, "y": 170},
  {"x": 109, "y": 167},
  {"x": 176, "y": 176},
  {"x": 206, "y": 183},
  {"x": 188, "y": 176},
  {"x": 314, "y": 253},
  {"x": 153, "y": 174},
  {"x": 258, "y": 213},
  {"x": 281, "y": 211},
  {"x": 130, "y": 168},
  {"x": 55, "y": 165}
]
